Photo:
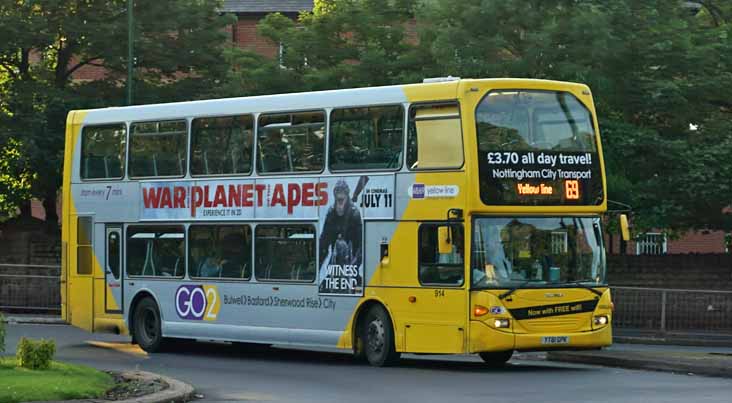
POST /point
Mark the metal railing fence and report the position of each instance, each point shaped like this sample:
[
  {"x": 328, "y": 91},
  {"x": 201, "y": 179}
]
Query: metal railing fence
[
  {"x": 655, "y": 311},
  {"x": 663, "y": 311},
  {"x": 30, "y": 288}
]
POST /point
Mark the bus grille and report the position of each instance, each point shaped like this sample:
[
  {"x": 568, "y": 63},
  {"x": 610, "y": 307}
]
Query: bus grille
[{"x": 555, "y": 324}]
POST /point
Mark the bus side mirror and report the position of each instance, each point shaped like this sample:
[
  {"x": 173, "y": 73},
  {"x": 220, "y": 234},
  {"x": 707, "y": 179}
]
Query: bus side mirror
[
  {"x": 624, "y": 231},
  {"x": 444, "y": 242}
]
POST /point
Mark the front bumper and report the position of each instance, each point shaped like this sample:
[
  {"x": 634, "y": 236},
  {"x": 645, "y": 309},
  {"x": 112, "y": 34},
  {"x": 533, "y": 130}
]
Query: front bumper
[{"x": 486, "y": 338}]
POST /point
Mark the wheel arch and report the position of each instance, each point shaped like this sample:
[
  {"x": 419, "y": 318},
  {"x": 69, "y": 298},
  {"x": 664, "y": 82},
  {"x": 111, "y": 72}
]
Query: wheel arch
[
  {"x": 360, "y": 313},
  {"x": 139, "y": 296}
]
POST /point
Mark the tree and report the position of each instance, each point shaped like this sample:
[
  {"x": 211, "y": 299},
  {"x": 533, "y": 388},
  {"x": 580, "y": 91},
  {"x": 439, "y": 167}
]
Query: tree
[
  {"x": 656, "y": 69},
  {"x": 15, "y": 178},
  {"x": 340, "y": 44},
  {"x": 179, "y": 45},
  {"x": 660, "y": 72}
]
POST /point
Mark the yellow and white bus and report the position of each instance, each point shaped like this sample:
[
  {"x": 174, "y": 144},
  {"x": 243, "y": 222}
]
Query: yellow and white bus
[{"x": 451, "y": 216}]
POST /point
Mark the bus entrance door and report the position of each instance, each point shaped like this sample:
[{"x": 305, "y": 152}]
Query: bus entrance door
[
  {"x": 436, "y": 310},
  {"x": 112, "y": 270}
]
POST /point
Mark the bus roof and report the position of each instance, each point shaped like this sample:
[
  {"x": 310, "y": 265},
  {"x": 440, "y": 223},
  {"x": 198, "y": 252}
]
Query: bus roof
[{"x": 297, "y": 101}]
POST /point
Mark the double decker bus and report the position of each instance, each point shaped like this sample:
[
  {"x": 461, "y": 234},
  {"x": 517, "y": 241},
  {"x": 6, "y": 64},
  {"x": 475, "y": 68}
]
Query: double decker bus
[{"x": 450, "y": 216}]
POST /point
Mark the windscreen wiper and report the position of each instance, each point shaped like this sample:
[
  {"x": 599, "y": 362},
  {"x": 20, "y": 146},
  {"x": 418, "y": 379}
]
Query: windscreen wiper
[
  {"x": 587, "y": 287},
  {"x": 513, "y": 289}
]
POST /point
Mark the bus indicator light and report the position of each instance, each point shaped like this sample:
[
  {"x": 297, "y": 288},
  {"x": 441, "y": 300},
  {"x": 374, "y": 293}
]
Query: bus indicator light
[{"x": 571, "y": 190}]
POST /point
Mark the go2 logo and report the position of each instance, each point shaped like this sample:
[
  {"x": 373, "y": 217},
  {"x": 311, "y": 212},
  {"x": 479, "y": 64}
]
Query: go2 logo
[{"x": 197, "y": 302}]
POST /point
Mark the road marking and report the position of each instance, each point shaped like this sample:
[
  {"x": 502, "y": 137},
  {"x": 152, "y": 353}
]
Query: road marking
[{"x": 127, "y": 348}]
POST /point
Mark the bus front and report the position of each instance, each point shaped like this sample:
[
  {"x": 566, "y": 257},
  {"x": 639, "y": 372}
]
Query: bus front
[{"x": 537, "y": 259}]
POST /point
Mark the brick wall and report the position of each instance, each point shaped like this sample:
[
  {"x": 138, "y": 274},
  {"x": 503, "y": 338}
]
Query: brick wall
[
  {"x": 29, "y": 246},
  {"x": 698, "y": 242},
  {"x": 244, "y": 34},
  {"x": 689, "y": 242},
  {"x": 711, "y": 271}
]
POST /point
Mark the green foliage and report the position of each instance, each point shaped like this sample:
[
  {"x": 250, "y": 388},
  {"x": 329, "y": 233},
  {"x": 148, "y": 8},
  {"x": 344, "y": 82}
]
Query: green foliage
[
  {"x": 2, "y": 333},
  {"x": 178, "y": 48},
  {"x": 342, "y": 44},
  {"x": 35, "y": 354},
  {"x": 655, "y": 68},
  {"x": 16, "y": 177}
]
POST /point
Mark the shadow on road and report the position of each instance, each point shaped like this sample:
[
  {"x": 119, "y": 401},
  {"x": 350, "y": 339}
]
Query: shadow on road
[{"x": 266, "y": 353}]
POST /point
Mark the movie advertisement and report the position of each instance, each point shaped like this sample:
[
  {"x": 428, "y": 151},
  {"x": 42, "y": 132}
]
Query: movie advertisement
[
  {"x": 339, "y": 204},
  {"x": 353, "y": 200}
]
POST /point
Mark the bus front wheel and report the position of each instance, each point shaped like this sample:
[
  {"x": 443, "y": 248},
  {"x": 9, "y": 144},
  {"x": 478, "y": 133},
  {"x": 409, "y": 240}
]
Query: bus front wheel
[
  {"x": 496, "y": 358},
  {"x": 148, "y": 327},
  {"x": 378, "y": 337}
]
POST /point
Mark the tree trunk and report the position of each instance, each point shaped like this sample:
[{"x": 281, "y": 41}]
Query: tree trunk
[
  {"x": 25, "y": 209},
  {"x": 49, "y": 204}
]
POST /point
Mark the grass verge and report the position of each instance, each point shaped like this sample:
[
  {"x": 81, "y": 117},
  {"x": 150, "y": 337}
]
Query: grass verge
[{"x": 60, "y": 382}]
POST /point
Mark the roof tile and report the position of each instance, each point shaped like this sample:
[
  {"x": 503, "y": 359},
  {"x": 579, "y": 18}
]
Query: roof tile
[{"x": 266, "y": 6}]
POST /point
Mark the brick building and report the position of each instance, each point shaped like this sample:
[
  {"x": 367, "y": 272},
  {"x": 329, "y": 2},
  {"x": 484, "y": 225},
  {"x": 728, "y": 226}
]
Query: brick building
[{"x": 250, "y": 12}]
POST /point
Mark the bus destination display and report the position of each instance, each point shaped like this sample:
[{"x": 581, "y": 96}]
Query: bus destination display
[{"x": 540, "y": 178}]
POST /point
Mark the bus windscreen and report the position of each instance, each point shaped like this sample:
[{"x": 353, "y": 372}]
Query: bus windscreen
[{"x": 537, "y": 148}]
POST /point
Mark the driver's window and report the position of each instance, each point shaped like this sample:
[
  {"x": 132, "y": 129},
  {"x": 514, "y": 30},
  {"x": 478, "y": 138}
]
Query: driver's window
[{"x": 441, "y": 254}]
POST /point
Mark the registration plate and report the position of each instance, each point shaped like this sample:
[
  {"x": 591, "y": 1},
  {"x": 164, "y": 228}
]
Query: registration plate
[{"x": 555, "y": 340}]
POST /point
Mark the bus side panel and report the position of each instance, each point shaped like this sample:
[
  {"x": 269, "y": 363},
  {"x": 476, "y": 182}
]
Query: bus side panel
[
  {"x": 427, "y": 318},
  {"x": 80, "y": 296},
  {"x": 65, "y": 215},
  {"x": 79, "y": 290},
  {"x": 247, "y": 311}
]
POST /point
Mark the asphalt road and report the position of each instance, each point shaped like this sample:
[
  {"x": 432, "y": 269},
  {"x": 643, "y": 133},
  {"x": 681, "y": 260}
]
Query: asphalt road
[{"x": 224, "y": 373}]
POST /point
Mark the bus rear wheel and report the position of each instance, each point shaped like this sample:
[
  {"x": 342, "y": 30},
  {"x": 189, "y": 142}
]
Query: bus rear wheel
[
  {"x": 378, "y": 338},
  {"x": 496, "y": 358},
  {"x": 148, "y": 326}
]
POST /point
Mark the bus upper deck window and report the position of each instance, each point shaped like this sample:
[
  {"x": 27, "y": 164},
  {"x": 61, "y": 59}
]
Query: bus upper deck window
[
  {"x": 290, "y": 142},
  {"x": 366, "y": 138},
  {"x": 222, "y": 145},
  {"x": 103, "y": 152},
  {"x": 531, "y": 120},
  {"x": 158, "y": 148},
  {"x": 435, "y": 138}
]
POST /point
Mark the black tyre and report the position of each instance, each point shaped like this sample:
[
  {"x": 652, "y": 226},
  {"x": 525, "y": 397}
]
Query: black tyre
[
  {"x": 378, "y": 338},
  {"x": 147, "y": 326},
  {"x": 359, "y": 342},
  {"x": 496, "y": 358}
]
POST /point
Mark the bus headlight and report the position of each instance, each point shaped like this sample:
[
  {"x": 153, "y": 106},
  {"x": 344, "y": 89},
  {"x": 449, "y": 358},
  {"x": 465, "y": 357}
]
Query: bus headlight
[
  {"x": 501, "y": 323},
  {"x": 600, "y": 320}
]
